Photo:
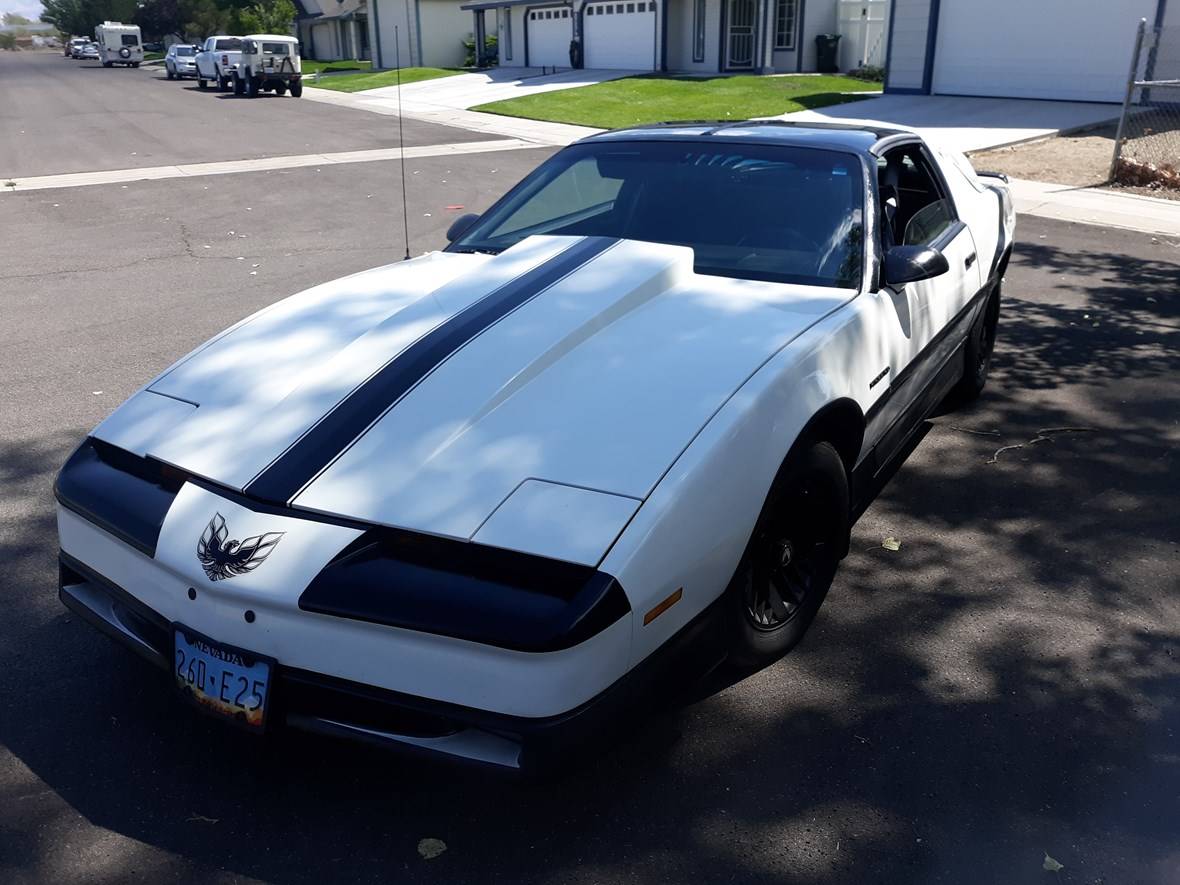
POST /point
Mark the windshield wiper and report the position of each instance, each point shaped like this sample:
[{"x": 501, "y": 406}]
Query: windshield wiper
[{"x": 480, "y": 250}]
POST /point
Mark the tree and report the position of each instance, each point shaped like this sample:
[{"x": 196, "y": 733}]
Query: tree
[
  {"x": 11, "y": 18},
  {"x": 7, "y": 41},
  {"x": 268, "y": 17},
  {"x": 202, "y": 18},
  {"x": 80, "y": 16},
  {"x": 158, "y": 18}
]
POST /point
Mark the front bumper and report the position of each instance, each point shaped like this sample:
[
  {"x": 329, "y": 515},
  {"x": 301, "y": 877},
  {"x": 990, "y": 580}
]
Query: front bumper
[{"x": 335, "y": 707}]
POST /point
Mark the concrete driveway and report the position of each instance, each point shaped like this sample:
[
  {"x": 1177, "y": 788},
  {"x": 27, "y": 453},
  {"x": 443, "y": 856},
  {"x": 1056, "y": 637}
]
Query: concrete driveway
[{"x": 968, "y": 124}]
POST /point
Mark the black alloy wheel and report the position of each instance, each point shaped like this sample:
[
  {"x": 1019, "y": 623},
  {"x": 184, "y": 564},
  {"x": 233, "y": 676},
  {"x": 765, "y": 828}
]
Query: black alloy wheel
[
  {"x": 791, "y": 558},
  {"x": 978, "y": 351}
]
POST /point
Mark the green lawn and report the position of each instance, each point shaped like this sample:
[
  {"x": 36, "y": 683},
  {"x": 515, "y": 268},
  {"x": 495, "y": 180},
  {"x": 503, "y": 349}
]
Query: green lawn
[
  {"x": 153, "y": 56},
  {"x": 655, "y": 98},
  {"x": 316, "y": 67},
  {"x": 360, "y": 82}
]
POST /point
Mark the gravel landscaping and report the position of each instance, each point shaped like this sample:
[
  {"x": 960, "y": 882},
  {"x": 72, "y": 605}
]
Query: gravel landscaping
[{"x": 1081, "y": 159}]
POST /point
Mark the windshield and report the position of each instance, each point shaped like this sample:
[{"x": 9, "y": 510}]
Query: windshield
[
  {"x": 185, "y": 50},
  {"x": 759, "y": 212},
  {"x": 230, "y": 44}
]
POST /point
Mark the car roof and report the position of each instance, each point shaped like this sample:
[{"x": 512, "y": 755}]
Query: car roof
[
  {"x": 855, "y": 137},
  {"x": 283, "y": 37}
]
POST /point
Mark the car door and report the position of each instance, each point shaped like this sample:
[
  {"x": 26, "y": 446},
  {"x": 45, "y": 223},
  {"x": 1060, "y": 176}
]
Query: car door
[
  {"x": 920, "y": 331},
  {"x": 926, "y": 216},
  {"x": 204, "y": 68}
]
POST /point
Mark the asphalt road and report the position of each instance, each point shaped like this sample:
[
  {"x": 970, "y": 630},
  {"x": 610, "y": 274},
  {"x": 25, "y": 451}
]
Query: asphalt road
[
  {"x": 60, "y": 115},
  {"x": 1002, "y": 686}
]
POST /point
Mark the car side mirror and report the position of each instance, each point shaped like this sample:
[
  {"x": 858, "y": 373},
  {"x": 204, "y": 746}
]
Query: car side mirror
[
  {"x": 460, "y": 226},
  {"x": 909, "y": 264}
]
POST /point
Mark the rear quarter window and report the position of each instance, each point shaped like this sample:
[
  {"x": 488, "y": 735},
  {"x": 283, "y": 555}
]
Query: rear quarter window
[
  {"x": 233, "y": 45},
  {"x": 130, "y": 40}
]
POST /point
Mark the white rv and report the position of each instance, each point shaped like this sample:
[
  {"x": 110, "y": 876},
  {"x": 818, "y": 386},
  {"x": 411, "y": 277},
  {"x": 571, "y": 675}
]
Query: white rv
[{"x": 119, "y": 44}]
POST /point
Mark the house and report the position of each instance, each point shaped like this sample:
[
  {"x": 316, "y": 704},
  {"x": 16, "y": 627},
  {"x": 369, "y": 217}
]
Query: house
[
  {"x": 421, "y": 33},
  {"x": 1078, "y": 50},
  {"x": 333, "y": 29},
  {"x": 691, "y": 36}
]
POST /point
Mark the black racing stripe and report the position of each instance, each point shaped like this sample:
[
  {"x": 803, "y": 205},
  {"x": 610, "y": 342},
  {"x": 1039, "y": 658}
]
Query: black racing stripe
[{"x": 286, "y": 476}]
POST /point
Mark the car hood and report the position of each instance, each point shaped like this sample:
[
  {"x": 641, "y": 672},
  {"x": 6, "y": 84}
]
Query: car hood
[{"x": 612, "y": 357}]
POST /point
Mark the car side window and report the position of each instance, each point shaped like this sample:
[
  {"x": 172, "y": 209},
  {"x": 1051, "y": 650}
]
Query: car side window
[{"x": 915, "y": 210}]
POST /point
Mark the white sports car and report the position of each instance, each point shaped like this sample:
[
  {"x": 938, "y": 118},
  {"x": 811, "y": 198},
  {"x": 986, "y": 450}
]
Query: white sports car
[{"x": 476, "y": 501}]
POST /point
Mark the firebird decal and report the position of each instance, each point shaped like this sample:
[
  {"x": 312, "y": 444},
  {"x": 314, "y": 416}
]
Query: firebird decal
[{"x": 223, "y": 559}]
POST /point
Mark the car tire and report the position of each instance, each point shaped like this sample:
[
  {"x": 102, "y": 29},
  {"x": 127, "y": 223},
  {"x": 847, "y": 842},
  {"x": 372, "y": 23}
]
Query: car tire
[
  {"x": 296, "y": 88},
  {"x": 171, "y": 76},
  {"x": 202, "y": 84},
  {"x": 135, "y": 64},
  {"x": 791, "y": 558},
  {"x": 224, "y": 84},
  {"x": 977, "y": 353},
  {"x": 252, "y": 86},
  {"x": 107, "y": 64},
  {"x": 280, "y": 89}
]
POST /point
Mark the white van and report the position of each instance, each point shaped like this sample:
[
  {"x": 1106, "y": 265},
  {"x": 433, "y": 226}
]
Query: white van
[{"x": 119, "y": 44}]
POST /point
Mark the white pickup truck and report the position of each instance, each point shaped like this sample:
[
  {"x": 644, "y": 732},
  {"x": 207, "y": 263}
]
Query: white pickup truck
[{"x": 218, "y": 60}]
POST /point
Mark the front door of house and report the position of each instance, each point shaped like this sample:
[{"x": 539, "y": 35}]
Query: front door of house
[{"x": 739, "y": 42}]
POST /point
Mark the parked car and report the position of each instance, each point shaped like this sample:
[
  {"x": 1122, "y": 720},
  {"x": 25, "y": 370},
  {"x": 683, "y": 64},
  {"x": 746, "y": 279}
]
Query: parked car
[
  {"x": 154, "y": 46},
  {"x": 180, "y": 61},
  {"x": 74, "y": 46},
  {"x": 89, "y": 51},
  {"x": 269, "y": 63},
  {"x": 118, "y": 44},
  {"x": 217, "y": 60},
  {"x": 631, "y": 410}
]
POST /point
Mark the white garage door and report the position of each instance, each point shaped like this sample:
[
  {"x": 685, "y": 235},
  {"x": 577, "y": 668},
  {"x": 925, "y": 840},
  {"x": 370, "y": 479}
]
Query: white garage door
[
  {"x": 1043, "y": 49},
  {"x": 621, "y": 35},
  {"x": 550, "y": 32}
]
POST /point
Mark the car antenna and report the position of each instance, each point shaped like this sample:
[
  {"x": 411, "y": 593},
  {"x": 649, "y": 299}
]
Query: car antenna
[{"x": 401, "y": 139}]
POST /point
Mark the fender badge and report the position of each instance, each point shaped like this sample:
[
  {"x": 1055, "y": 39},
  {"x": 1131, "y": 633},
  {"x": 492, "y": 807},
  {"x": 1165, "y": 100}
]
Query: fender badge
[{"x": 224, "y": 559}]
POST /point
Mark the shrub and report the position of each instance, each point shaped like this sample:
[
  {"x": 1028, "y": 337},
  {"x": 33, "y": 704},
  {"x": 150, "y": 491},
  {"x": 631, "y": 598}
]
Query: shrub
[
  {"x": 490, "y": 50},
  {"x": 872, "y": 73}
]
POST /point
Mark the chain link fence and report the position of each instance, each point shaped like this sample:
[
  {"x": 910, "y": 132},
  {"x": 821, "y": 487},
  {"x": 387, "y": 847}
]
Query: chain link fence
[{"x": 1147, "y": 146}]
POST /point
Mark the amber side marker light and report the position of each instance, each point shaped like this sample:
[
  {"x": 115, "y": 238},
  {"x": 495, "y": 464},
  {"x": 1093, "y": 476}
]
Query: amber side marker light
[{"x": 663, "y": 606}]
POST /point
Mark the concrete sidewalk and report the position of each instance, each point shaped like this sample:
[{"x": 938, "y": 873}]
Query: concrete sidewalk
[{"x": 1099, "y": 206}]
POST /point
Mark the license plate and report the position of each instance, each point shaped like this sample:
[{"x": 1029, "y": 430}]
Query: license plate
[{"x": 226, "y": 681}]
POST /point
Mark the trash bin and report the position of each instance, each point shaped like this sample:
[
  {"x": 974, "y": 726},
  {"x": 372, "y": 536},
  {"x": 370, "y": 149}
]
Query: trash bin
[{"x": 826, "y": 53}]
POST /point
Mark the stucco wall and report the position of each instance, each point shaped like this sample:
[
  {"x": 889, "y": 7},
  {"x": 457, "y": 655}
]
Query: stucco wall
[
  {"x": 680, "y": 34},
  {"x": 444, "y": 26}
]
